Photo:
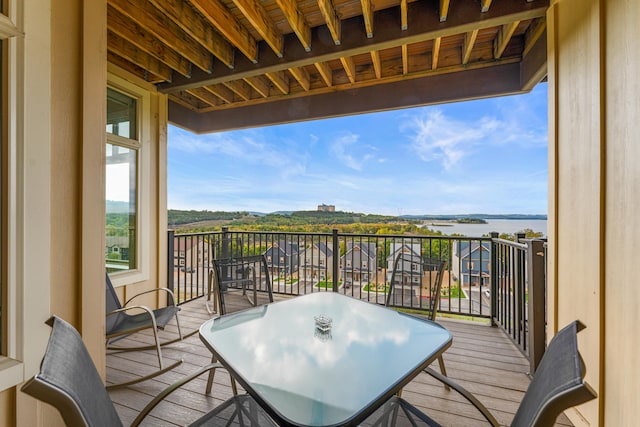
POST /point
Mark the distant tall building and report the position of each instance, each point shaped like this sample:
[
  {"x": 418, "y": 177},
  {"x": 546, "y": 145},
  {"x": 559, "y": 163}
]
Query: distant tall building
[{"x": 326, "y": 208}]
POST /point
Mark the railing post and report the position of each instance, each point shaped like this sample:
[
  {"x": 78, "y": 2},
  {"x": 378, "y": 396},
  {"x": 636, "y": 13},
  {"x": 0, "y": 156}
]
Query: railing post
[
  {"x": 494, "y": 278},
  {"x": 336, "y": 259},
  {"x": 170, "y": 260},
  {"x": 536, "y": 312}
]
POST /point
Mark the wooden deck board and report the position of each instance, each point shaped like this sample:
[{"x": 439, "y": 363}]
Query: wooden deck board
[{"x": 481, "y": 358}]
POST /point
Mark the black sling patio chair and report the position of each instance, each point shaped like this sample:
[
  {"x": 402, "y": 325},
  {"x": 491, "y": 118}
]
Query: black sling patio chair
[
  {"x": 558, "y": 384},
  {"x": 410, "y": 274},
  {"x": 246, "y": 277},
  {"x": 69, "y": 381},
  {"x": 119, "y": 324}
]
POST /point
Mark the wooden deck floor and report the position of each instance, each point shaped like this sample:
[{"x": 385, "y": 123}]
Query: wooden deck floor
[{"x": 481, "y": 358}]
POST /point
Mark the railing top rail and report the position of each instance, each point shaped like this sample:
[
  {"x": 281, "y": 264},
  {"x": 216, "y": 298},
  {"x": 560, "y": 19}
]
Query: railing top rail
[
  {"x": 199, "y": 233},
  {"x": 511, "y": 243}
]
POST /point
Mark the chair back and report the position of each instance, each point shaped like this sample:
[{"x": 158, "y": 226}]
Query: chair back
[
  {"x": 249, "y": 274},
  {"x": 69, "y": 381},
  {"x": 413, "y": 285},
  {"x": 557, "y": 383},
  {"x": 112, "y": 303}
]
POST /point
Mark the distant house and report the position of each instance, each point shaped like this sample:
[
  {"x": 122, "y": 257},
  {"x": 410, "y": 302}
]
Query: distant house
[
  {"x": 316, "y": 262},
  {"x": 189, "y": 253},
  {"x": 358, "y": 264},
  {"x": 326, "y": 208},
  {"x": 117, "y": 247},
  {"x": 282, "y": 258},
  {"x": 471, "y": 262},
  {"x": 409, "y": 267}
]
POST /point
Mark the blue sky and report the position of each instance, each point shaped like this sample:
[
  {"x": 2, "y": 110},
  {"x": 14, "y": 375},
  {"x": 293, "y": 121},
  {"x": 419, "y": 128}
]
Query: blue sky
[{"x": 485, "y": 156}]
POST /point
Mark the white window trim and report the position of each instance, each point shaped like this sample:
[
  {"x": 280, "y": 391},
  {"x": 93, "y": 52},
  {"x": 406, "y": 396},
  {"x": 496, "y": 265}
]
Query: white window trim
[
  {"x": 143, "y": 193},
  {"x": 28, "y": 126}
]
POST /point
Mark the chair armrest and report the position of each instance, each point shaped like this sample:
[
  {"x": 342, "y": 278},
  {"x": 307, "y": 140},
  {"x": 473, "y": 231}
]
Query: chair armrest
[
  {"x": 173, "y": 387},
  {"x": 136, "y": 307},
  {"x": 466, "y": 394},
  {"x": 167, "y": 290}
]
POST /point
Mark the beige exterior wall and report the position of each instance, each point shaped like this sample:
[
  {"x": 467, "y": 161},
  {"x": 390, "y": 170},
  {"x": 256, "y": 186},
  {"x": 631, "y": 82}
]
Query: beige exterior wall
[{"x": 595, "y": 194}]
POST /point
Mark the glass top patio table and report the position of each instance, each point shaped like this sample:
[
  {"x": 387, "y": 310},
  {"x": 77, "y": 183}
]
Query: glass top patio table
[{"x": 305, "y": 375}]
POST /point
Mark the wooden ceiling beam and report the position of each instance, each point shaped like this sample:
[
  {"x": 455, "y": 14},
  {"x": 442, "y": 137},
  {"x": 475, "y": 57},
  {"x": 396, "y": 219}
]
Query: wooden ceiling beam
[
  {"x": 404, "y": 14},
  {"x": 260, "y": 20},
  {"x": 467, "y": 47},
  {"x": 444, "y": 10},
  {"x": 260, "y": 84},
  {"x": 367, "y": 14},
  {"x": 146, "y": 42},
  {"x": 534, "y": 32},
  {"x": 302, "y": 76},
  {"x": 296, "y": 19},
  {"x": 375, "y": 60},
  {"x": 485, "y": 5},
  {"x": 480, "y": 83},
  {"x": 136, "y": 70},
  {"x": 121, "y": 47},
  {"x": 504, "y": 37},
  {"x": 280, "y": 81},
  {"x": 388, "y": 35},
  {"x": 435, "y": 52},
  {"x": 331, "y": 19},
  {"x": 160, "y": 26},
  {"x": 325, "y": 72},
  {"x": 240, "y": 88},
  {"x": 194, "y": 24},
  {"x": 349, "y": 67},
  {"x": 222, "y": 92},
  {"x": 205, "y": 96},
  {"x": 405, "y": 59},
  {"x": 222, "y": 19}
]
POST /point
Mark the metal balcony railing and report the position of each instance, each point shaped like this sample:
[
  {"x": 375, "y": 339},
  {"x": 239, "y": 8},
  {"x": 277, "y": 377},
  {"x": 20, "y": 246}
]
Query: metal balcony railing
[{"x": 487, "y": 277}]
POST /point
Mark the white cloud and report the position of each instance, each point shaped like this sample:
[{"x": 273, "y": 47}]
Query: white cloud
[{"x": 347, "y": 150}]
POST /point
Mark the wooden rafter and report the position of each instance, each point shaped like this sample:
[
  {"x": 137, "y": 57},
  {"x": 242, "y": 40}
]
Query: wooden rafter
[
  {"x": 367, "y": 14},
  {"x": 375, "y": 60},
  {"x": 260, "y": 84},
  {"x": 404, "y": 15},
  {"x": 240, "y": 88},
  {"x": 435, "y": 53},
  {"x": 222, "y": 92},
  {"x": 325, "y": 72},
  {"x": 146, "y": 42},
  {"x": 296, "y": 19},
  {"x": 205, "y": 96},
  {"x": 331, "y": 19},
  {"x": 134, "y": 69},
  {"x": 302, "y": 76},
  {"x": 534, "y": 32},
  {"x": 259, "y": 19},
  {"x": 504, "y": 37},
  {"x": 193, "y": 24},
  {"x": 405, "y": 59},
  {"x": 226, "y": 23},
  {"x": 444, "y": 10},
  {"x": 485, "y": 5},
  {"x": 387, "y": 36},
  {"x": 279, "y": 80},
  {"x": 467, "y": 47},
  {"x": 349, "y": 67},
  {"x": 124, "y": 49},
  {"x": 160, "y": 26}
]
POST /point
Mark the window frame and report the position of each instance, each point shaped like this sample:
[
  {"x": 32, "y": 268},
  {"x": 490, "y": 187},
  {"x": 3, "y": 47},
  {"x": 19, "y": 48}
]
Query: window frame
[{"x": 143, "y": 182}]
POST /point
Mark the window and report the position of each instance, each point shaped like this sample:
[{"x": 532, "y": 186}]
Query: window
[{"x": 122, "y": 179}]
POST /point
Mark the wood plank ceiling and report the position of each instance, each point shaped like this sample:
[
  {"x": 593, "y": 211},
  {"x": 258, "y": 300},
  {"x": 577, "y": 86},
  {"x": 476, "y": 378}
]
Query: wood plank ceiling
[{"x": 238, "y": 63}]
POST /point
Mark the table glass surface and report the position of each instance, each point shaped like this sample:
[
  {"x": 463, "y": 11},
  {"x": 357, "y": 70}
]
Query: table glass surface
[{"x": 318, "y": 379}]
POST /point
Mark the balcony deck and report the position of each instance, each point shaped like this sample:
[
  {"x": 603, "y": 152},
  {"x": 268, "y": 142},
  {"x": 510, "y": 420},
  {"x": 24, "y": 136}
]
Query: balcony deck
[{"x": 481, "y": 358}]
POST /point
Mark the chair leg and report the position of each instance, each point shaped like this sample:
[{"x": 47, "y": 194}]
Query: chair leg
[
  {"x": 179, "y": 329},
  {"x": 210, "y": 376},
  {"x": 158, "y": 349}
]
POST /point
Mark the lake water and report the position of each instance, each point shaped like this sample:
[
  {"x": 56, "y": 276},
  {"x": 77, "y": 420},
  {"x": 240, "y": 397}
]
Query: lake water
[{"x": 510, "y": 226}]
